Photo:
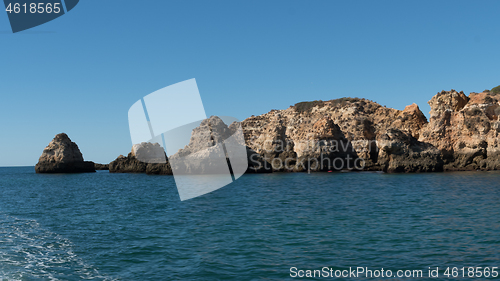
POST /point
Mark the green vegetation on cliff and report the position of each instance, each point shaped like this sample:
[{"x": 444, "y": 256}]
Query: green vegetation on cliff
[
  {"x": 495, "y": 90},
  {"x": 308, "y": 105}
]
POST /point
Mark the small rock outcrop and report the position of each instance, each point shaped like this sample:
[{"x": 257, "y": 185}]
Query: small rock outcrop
[
  {"x": 127, "y": 164},
  {"x": 63, "y": 156},
  {"x": 101, "y": 167},
  {"x": 447, "y": 101},
  {"x": 145, "y": 157}
]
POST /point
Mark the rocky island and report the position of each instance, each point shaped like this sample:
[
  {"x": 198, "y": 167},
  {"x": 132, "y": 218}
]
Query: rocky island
[
  {"x": 144, "y": 158},
  {"x": 63, "y": 156}
]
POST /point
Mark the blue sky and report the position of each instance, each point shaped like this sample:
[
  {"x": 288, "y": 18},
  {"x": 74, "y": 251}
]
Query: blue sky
[{"x": 80, "y": 73}]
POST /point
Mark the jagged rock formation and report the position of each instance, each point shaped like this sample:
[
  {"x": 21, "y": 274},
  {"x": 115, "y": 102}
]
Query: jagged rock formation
[
  {"x": 63, "y": 156},
  {"x": 339, "y": 130},
  {"x": 197, "y": 157},
  {"x": 400, "y": 152},
  {"x": 208, "y": 134},
  {"x": 465, "y": 129},
  {"x": 127, "y": 164},
  {"x": 462, "y": 133},
  {"x": 213, "y": 147},
  {"x": 144, "y": 158}
]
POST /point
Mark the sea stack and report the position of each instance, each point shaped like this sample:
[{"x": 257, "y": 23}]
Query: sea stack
[
  {"x": 63, "y": 156},
  {"x": 145, "y": 157}
]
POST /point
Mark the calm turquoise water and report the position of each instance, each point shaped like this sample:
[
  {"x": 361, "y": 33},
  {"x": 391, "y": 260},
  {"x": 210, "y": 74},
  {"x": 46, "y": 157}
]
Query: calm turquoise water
[{"x": 134, "y": 227}]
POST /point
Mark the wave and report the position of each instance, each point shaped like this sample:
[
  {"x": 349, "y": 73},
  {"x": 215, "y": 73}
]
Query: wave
[{"x": 30, "y": 252}]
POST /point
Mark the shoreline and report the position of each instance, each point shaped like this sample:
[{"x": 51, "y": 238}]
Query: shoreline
[
  {"x": 315, "y": 172},
  {"x": 462, "y": 134}
]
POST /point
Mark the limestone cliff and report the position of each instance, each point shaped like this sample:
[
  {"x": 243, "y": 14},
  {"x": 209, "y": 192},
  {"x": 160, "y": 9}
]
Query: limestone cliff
[
  {"x": 347, "y": 128},
  {"x": 358, "y": 134},
  {"x": 465, "y": 129},
  {"x": 462, "y": 133}
]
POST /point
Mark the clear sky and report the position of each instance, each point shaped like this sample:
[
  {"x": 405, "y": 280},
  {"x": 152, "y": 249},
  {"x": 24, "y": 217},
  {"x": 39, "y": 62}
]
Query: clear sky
[{"x": 80, "y": 73}]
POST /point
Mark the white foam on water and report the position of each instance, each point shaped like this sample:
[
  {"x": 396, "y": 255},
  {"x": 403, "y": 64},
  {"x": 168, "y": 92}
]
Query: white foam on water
[{"x": 30, "y": 252}]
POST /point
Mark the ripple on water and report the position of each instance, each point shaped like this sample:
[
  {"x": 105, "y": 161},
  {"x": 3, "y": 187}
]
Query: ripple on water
[{"x": 30, "y": 252}]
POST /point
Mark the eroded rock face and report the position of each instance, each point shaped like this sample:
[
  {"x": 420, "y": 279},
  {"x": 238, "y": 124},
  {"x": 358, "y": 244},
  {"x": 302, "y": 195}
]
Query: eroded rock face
[
  {"x": 417, "y": 120},
  {"x": 400, "y": 152},
  {"x": 127, "y": 164},
  {"x": 344, "y": 129},
  {"x": 465, "y": 129},
  {"x": 447, "y": 101},
  {"x": 63, "y": 156},
  {"x": 210, "y": 132},
  {"x": 213, "y": 147},
  {"x": 462, "y": 134}
]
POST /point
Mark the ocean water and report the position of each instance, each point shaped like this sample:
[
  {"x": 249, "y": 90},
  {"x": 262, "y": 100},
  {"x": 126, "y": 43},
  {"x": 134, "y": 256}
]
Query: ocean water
[{"x": 106, "y": 226}]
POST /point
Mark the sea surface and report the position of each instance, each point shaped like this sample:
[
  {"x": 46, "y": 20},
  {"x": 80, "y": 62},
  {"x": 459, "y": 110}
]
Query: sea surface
[{"x": 104, "y": 226}]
